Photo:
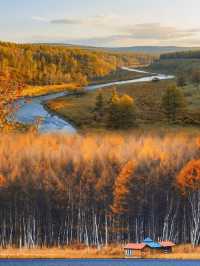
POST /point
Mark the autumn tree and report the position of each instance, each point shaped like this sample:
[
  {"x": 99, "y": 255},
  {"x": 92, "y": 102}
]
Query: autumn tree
[
  {"x": 195, "y": 77},
  {"x": 121, "y": 188},
  {"x": 45, "y": 64},
  {"x": 99, "y": 108},
  {"x": 95, "y": 190},
  {"x": 189, "y": 183},
  {"x": 174, "y": 103},
  {"x": 181, "y": 80},
  {"x": 121, "y": 111},
  {"x": 9, "y": 91}
]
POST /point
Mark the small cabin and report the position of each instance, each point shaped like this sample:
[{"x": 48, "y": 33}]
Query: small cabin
[
  {"x": 147, "y": 247},
  {"x": 167, "y": 246},
  {"x": 136, "y": 250},
  {"x": 154, "y": 247}
]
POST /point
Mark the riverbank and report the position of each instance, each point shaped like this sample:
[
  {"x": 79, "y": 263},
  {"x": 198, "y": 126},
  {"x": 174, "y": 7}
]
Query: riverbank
[
  {"x": 29, "y": 110},
  {"x": 61, "y": 253},
  {"x": 182, "y": 252},
  {"x": 35, "y": 91},
  {"x": 119, "y": 75}
]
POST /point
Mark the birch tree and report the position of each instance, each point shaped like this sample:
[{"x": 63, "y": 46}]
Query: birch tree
[{"x": 189, "y": 182}]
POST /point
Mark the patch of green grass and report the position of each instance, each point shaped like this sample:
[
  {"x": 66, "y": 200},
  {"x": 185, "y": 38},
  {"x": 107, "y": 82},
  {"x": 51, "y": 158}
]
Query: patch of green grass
[
  {"x": 192, "y": 94},
  {"x": 77, "y": 109},
  {"x": 147, "y": 96}
]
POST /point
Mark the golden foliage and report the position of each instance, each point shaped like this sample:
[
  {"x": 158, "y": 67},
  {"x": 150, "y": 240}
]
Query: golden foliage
[
  {"x": 9, "y": 91},
  {"x": 39, "y": 159},
  {"x": 126, "y": 100},
  {"x": 42, "y": 90},
  {"x": 2, "y": 181},
  {"x": 122, "y": 187},
  {"x": 189, "y": 177}
]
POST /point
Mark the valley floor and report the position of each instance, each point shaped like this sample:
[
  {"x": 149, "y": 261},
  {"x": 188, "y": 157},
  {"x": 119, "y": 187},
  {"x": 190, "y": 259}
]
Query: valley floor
[{"x": 79, "y": 109}]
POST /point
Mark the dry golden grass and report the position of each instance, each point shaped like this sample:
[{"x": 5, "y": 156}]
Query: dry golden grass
[
  {"x": 182, "y": 252},
  {"x": 57, "y": 253},
  {"x": 41, "y": 90},
  {"x": 60, "y": 104}
]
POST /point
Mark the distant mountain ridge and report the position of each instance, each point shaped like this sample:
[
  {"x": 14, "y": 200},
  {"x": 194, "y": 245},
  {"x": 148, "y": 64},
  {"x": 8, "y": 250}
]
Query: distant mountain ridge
[
  {"x": 154, "y": 49},
  {"x": 137, "y": 49}
]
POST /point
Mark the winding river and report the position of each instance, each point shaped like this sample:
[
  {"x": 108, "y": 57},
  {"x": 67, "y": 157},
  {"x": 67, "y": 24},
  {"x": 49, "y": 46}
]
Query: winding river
[{"x": 28, "y": 111}]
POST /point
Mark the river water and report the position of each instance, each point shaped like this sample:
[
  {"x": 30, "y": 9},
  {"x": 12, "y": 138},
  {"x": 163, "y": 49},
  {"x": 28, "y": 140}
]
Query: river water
[
  {"x": 29, "y": 111},
  {"x": 99, "y": 262}
]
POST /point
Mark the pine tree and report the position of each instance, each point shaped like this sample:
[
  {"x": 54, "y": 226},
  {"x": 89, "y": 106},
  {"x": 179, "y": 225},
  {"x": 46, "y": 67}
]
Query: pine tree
[
  {"x": 99, "y": 107},
  {"x": 188, "y": 181},
  {"x": 196, "y": 77},
  {"x": 173, "y": 103},
  {"x": 181, "y": 80}
]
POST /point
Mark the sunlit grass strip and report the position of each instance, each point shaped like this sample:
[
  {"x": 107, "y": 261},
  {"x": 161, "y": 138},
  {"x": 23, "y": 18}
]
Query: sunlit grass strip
[
  {"x": 42, "y": 90},
  {"x": 77, "y": 252}
]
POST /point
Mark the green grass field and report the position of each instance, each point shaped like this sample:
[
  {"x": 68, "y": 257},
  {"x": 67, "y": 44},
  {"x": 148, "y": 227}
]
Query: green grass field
[{"x": 147, "y": 96}]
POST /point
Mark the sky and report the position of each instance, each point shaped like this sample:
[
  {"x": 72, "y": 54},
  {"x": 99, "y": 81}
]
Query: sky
[{"x": 111, "y": 23}]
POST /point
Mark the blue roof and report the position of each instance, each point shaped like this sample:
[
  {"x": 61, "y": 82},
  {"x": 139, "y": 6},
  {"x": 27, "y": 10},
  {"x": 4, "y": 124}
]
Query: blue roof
[
  {"x": 150, "y": 243},
  {"x": 147, "y": 240},
  {"x": 153, "y": 245}
]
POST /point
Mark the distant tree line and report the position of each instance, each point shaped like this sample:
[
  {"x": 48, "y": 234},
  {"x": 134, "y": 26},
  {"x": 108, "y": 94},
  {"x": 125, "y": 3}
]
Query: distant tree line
[
  {"x": 46, "y": 64},
  {"x": 185, "y": 65},
  {"x": 193, "y": 54}
]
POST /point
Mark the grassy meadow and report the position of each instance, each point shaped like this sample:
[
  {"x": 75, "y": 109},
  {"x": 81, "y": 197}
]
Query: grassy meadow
[
  {"x": 181, "y": 252},
  {"x": 32, "y": 91},
  {"x": 147, "y": 97}
]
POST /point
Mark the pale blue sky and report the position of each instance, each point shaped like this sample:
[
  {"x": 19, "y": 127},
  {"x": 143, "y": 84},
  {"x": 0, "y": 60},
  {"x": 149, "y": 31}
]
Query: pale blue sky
[{"x": 101, "y": 22}]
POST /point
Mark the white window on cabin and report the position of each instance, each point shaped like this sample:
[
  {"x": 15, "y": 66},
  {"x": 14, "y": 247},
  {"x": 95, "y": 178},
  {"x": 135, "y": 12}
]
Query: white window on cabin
[{"x": 129, "y": 252}]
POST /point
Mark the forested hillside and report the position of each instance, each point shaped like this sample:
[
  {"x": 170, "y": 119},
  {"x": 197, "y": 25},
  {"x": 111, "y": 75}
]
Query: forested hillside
[
  {"x": 185, "y": 63},
  {"x": 183, "y": 54},
  {"x": 154, "y": 49},
  {"x": 61, "y": 190},
  {"x": 45, "y": 64}
]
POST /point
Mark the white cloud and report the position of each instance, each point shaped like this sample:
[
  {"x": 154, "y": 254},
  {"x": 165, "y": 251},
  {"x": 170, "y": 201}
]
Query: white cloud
[
  {"x": 66, "y": 21},
  {"x": 157, "y": 31},
  {"x": 112, "y": 29},
  {"x": 98, "y": 20},
  {"x": 41, "y": 19}
]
